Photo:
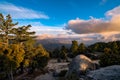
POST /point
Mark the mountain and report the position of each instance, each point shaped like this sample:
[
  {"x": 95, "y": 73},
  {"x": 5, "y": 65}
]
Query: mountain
[{"x": 51, "y": 44}]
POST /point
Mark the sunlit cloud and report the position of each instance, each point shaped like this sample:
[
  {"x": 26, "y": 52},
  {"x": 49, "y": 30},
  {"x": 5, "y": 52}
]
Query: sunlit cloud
[
  {"x": 97, "y": 29},
  {"x": 90, "y": 31},
  {"x": 110, "y": 36},
  {"x": 86, "y": 31},
  {"x": 113, "y": 12},
  {"x": 94, "y": 25},
  {"x": 19, "y": 12},
  {"x": 82, "y": 38}
]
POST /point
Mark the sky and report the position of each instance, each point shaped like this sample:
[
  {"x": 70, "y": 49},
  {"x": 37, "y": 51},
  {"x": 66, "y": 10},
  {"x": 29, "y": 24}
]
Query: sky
[{"x": 85, "y": 19}]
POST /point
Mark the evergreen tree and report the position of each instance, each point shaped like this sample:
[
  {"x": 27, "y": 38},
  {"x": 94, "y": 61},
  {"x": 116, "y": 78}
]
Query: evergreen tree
[
  {"x": 6, "y": 26},
  {"x": 63, "y": 53},
  {"x": 11, "y": 56},
  {"x": 74, "y": 47},
  {"x": 115, "y": 48},
  {"x": 40, "y": 57},
  {"x": 81, "y": 48},
  {"x": 107, "y": 50},
  {"x": 22, "y": 34}
]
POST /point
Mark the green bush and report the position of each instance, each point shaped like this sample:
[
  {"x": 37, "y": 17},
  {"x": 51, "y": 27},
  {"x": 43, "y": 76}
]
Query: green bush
[{"x": 109, "y": 59}]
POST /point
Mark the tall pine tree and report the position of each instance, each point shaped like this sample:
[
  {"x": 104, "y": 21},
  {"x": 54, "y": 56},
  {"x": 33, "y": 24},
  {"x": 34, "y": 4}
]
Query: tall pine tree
[{"x": 6, "y": 26}]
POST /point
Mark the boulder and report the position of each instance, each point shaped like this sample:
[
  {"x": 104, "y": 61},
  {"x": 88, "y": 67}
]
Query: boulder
[
  {"x": 107, "y": 73},
  {"x": 79, "y": 64}
]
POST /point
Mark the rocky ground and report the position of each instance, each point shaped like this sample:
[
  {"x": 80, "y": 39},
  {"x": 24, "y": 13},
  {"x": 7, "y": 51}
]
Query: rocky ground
[
  {"x": 53, "y": 69},
  {"x": 47, "y": 76},
  {"x": 106, "y": 73}
]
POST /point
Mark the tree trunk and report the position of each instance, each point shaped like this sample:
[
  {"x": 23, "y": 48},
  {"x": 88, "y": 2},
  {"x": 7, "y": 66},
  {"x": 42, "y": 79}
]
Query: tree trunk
[{"x": 11, "y": 73}]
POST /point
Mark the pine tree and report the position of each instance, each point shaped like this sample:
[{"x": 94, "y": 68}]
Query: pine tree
[
  {"x": 11, "y": 57},
  {"x": 63, "y": 53},
  {"x": 115, "y": 48},
  {"x": 22, "y": 34},
  {"x": 6, "y": 26},
  {"x": 107, "y": 50},
  {"x": 40, "y": 58},
  {"x": 74, "y": 47},
  {"x": 81, "y": 48}
]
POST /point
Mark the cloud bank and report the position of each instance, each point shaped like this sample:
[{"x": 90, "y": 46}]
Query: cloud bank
[
  {"x": 89, "y": 31},
  {"x": 94, "y": 25},
  {"x": 18, "y": 12},
  {"x": 86, "y": 31},
  {"x": 81, "y": 38},
  {"x": 51, "y": 30}
]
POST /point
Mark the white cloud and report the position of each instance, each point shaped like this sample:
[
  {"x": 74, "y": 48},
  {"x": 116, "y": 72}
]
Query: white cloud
[
  {"x": 18, "y": 12},
  {"x": 110, "y": 36},
  {"x": 94, "y": 25},
  {"x": 82, "y": 38},
  {"x": 113, "y": 12},
  {"x": 52, "y": 30},
  {"x": 97, "y": 29},
  {"x": 45, "y": 36},
  {"x": 86, "y": 31}
]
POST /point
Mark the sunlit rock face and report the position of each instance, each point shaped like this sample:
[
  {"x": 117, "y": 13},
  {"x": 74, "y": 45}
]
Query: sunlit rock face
[
  {"x": 83, "y": 63},
  {"x": 107, "y": 73},
  {"x": 79, "y": 64}
]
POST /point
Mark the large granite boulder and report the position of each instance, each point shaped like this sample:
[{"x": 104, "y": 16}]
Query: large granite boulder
[
  {"x": 107, "y": 73},
  {"x": 79, "y": 64}
]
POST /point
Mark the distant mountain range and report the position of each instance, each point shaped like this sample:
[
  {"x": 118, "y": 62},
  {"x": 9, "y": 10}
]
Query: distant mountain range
[{"x": 51, "y": 42}]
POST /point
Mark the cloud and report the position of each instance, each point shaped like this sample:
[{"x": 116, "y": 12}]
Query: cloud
[
  {"x": 28, "y": 22},
  {"x": 110, "y": 36},
  {"x": 18, "y": 12},
  {"x": 94, "y": 25},
  {"x": 52, "y": 30},
  {"x": 96, "y": 29},
  {"x": 45, "y": 36},
  {"x": 81, "y": 38},
  {"x": 113, "y": 12}
]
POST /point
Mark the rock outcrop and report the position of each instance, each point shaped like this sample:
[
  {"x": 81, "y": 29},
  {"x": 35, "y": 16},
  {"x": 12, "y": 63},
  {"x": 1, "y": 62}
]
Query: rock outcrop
[
  {"x": 79, "y": 64},
  {"x": 107, "y": 73}
]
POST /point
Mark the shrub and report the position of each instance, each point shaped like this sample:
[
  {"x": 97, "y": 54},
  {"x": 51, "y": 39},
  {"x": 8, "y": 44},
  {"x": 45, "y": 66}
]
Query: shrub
[{"x": 109, "y": 59}]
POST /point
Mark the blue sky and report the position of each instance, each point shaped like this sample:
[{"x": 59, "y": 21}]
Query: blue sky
[
  {"x": 51, "y": 16},
  {"x": 61, "y": 11}
]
